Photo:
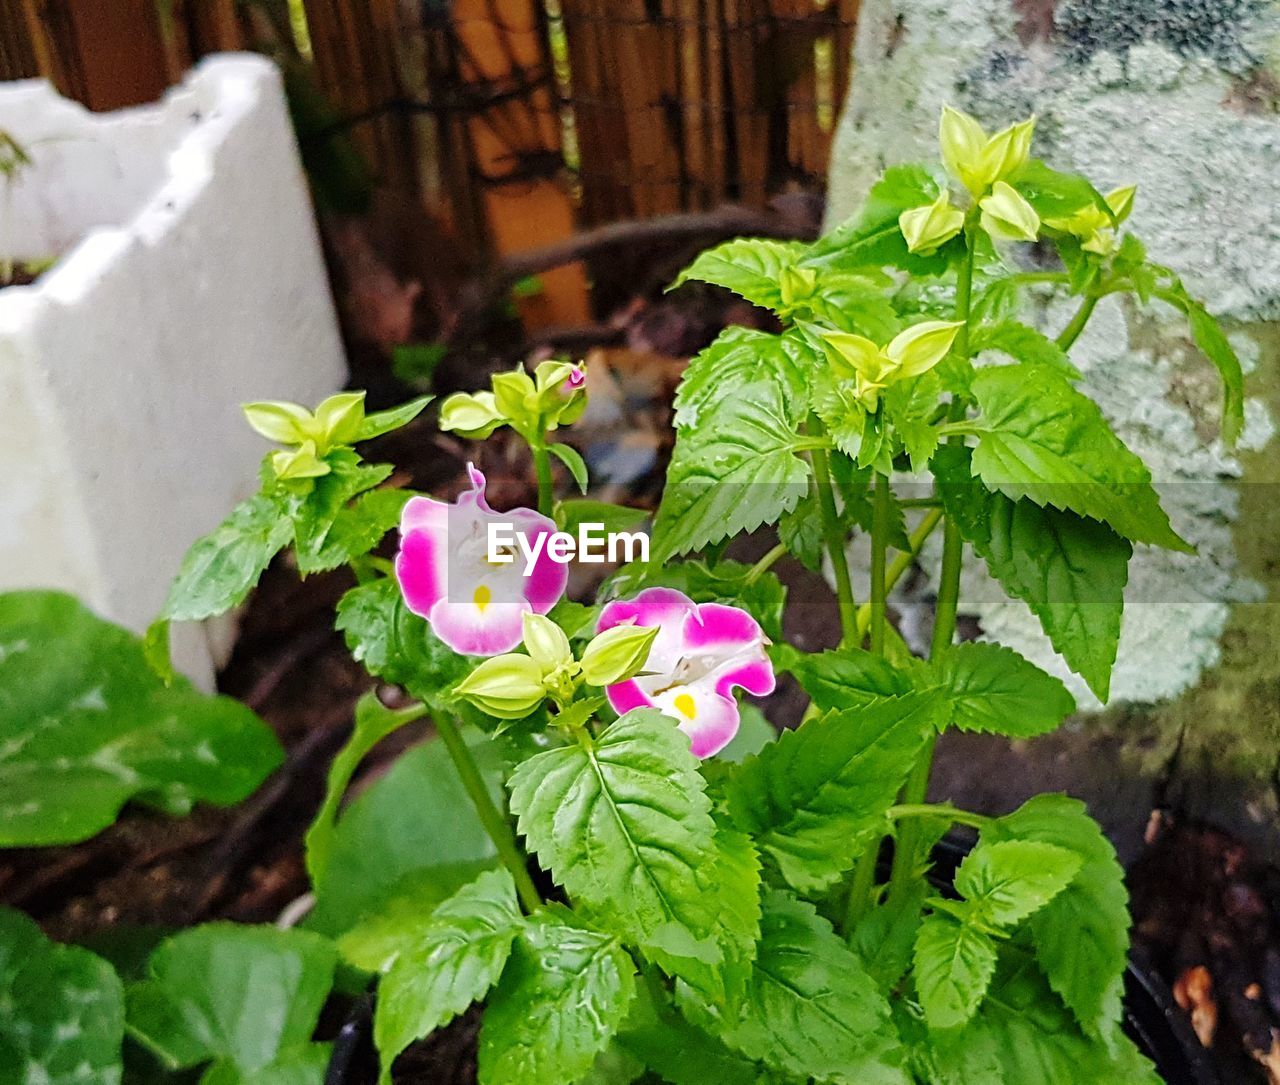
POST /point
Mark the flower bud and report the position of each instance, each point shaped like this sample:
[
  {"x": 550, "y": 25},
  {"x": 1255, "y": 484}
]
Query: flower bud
[
  {"x": 1007, "y": 216},
  {"x": 516, "y": 397},
  {"x": 796, "y": 284},
  {"x": 617, "y": 654},
  {"x": 545, "y": 642},
  {"x": 507, "y": 687},
  {"x": 962, "y": 140},
  {"x": 338, "y": 420},
  {"x": 928, "y": 228},
  {"x": 285, "y": 423},
  {"x": 1120, "y": 200},
  {"x": 1007, "y": 152},
  {"x": 562, "y": 392},
  {"x": 472, "y": 416},
  {"x": 922, "y": 346},
  {"x": 301, "y": 462}
]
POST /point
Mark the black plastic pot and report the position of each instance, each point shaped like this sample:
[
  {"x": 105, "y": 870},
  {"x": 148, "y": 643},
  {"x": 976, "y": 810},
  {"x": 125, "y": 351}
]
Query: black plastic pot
[{"x": 1151, "y": 1017}]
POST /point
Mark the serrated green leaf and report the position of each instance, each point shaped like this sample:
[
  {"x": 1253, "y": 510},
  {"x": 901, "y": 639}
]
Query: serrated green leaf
[
  {"x": 456, "y": 957},
  {"x": 814, "y": 799},
  {"x": 734, "y": 466},
  {"x": 993, "y": 689},
  {"x": 223, "y": 991},
  {"x": 305, "y": 1064},
  {"x": 749, "y": 266},
  {"x": 1071, "y": 571},
  {"x": 562, "y": 996},
  {"x": 842, "y": 678},
  {"x": 380, "y": 422},
  {"x": 884, "y": 939},
  {"x": 1022, "y": 343},
  {"x": 358, "y": 528},
  {"x": 1008, "y": 880},
  {"x": 623, "y": 823},
  {"x": 61, "y": 1010},
  {"x": 580, "y": 510},
  {"x": 220, "y": 570},
  {"x": 954, "y": 963},
  {"x": 800, "y": 531},
  {"x": 1041, "y": 440},
  {"x": 86, "y": 725},
  {"x": 1055, "y": 194},
  {"x": 570, "y": 457},
  {"x": 317, "y": 514},
  {"x": 811, "y": 1009},
  {"x": 1082, "y": 935}
]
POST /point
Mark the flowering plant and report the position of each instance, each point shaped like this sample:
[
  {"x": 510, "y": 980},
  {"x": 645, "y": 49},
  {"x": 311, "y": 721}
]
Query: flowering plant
[{"x": 658, "y": 898}]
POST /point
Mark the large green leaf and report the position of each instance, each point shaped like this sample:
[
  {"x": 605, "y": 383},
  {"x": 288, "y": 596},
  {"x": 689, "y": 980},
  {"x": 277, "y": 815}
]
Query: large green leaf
[
  {"x": 811, "y": 1008},
  {"x": 328, "y": 530},
  {"x": 994, "y": 689},
  {"x": 61, "y": 1010},
  {"x": 735, "y": 466},
  {"x": 229, "y": 993},
  {"x": 86, "y": 724},
  {"x": 404, "y": 845},
  {"x": 1082, "y": 935},
  {"x": 1022, "y": 343},
  {"x": 302, "y": 1064},
  {"x": 1040, "y": 439},
  {"x": 954, "y": 963},
  {"x": 813, "y": 800},
  {"x": 1055, "y": 194},
  {"x": 1008, "y": 880},
  {"x": 221, "y": 569},
  {"x": 623, "y": 823},
  {"x": 749, "y": 266},
  {"x": 842, "y": 678},
  {"x": 561, "y": 998},
  {"x": 1070, "y": 570},
  {"x": 454, "y": 959}
]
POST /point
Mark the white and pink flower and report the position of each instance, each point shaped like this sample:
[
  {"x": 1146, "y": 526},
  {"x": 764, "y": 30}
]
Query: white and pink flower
[
  {"x": 703, "y": 650},
  {"x": 474, "y": 606}
]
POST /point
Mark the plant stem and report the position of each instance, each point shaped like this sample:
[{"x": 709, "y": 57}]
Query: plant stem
[
  {"x": 964, "y": 292},
  {"x": 542, "y": 468},
  {"x": 860, "y": 887},
  {"x": 495, "y": 824},
  {"x": 834, "y": 536},
  {"x": 939, "y": 810},
  {"x": 900, "y": 564},
  {"x": 880, "y": 509},
  {"x": 763, "y": 565},
  {"x": 1072, "y": 331}
]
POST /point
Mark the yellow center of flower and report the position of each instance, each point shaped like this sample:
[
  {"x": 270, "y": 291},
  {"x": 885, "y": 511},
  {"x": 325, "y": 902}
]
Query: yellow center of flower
[
  {"x": 482, "y": 597},
  {"x": 685, "y": 705}
]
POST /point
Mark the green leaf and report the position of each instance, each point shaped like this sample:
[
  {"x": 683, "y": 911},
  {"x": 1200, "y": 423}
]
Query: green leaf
[
  {"x": 394, "y": 643},
  {"x": 755, "y": 732},
  {"x": 1024, "y": 1036},
  {"x": 623, "y": 823},
  {"x": 1042, "y": 440},
  {"x": 954, "y": 963},
  {"x": 374, "y": 721},
  {"x": 304, "y": 1064},
  {"x": 221, "y": 569},
  {"x": 223, "y": 991},
  {"x": 86, "y": 725},
  {"x": 564, "y": 993},
  {"x": 409, "y": 841},
  {"x": 570, "y": 457},
  {"x": 993, "y": 689},
  {"x": 885, "y": 937},
  {"x": 581, "y": 510},
  {"x": 1082, "y": 935},
  {"x": 800, "y": 531},
  {"x": 811, "y": 1008},
  {"x": 454, "y": 960},
  {"x": 1006, "y": 881},
  {"x": 316, "y": 515},
  {"x": 357, "y": 529},
  {"x": 842, "y": 678},
  {"x": 61, "y": 1010},
  {"x": 764, "y": 598},
  {"x": 1054, "y": 194},
  {"x": 734, "y": 466},
  {"x": 380, "y": 422},
  {"x": 813, "y": 800},
  {"x": 1071, "y": 571},
  {"x": 1023, "y": 344},
  {"x": 750, "y": 267}
]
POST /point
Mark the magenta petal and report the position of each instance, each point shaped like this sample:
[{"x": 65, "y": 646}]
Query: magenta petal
[
  {"x": 469, "y": 631},
  {"x": 422, "y": 564},
  {"x": 653, "y": 606},
  {"x": 624, "y": 696},
  {"x": 544, "y": 586},
  {"x": 713, "y": 626},
  {"x": 713, "y": 730},
  {"x": 755, "y": 676}
]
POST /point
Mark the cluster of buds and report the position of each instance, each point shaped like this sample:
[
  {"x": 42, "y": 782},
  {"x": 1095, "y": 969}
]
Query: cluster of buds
[
  {"x": 511, "y": 686},
  {"x": 309, "y": 435},
  {"x": 556, "y": 395},
  {"x": 872, "y": 368},
  {"x": 1093, "y": 226}
]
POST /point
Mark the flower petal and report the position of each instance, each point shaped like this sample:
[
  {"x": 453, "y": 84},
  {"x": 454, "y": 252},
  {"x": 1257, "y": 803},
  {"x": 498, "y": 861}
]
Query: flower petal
[
  {"x": 714, "y": 627},
  {"x": 546, "y": 582},
  {"x": 478, "y": 630},
  {"x": 663, "y": 607},
  {"x": 624, "y": 696},
  {"x": 422, "y": 565},
  {"x": 708, "y": 718}
]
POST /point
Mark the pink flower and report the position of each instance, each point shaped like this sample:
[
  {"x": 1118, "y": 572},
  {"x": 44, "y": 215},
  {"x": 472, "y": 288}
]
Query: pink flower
[
  {"x": 473, "y": 605},
  {"x": 701, "y": 653}
]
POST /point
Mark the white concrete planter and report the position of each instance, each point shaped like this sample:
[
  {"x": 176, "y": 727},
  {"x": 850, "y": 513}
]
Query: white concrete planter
[{"x": 189, "y": 280}]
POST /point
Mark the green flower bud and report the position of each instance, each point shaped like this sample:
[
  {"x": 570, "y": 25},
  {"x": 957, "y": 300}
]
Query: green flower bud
[
  {"x": 338, "y": 420},
  {"x": 1006, "y": 216},
  {"x": 545, "y": 642},
  {"x": 516, "y": 398},
  {"x": 301, "y": 462},
  {"x": 927, "y": 228},
  {"x": 285, "y": 423},
  {"x": 796, "y": 285},
  {"x": 617, "y": 654},
  {"x": 562, "y": 392},
  {"x": 507, "y": 687},
  {"x": 977, "y": 160},
  {"x": 472, "y": 416}
]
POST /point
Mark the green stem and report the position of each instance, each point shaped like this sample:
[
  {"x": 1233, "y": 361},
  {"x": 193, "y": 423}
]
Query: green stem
[
  {"x": 763, "y": 565},
  {"x": 546, "y": 487},
  {"x": 898, "y": 567},
  {"x": 944, "y": 622},
  {"x": 964, "y": 291},
  {"x": 880, "y": 510},
  {"x": 860, "y": 888},
  {"x": 495, "y": 824},
  {"x": 834, "y": 536},
  {"x": 1072, "y": 331},
  {"x": 939, "y": 810}
]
